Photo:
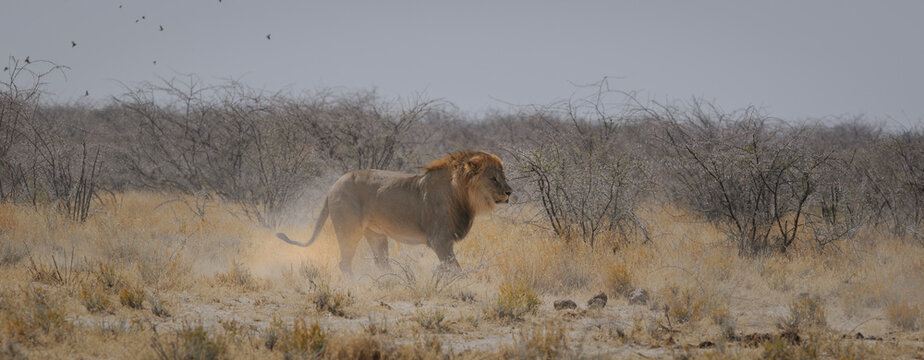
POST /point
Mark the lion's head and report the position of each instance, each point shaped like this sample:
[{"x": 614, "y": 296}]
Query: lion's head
[{"x": 477, "y": 174}]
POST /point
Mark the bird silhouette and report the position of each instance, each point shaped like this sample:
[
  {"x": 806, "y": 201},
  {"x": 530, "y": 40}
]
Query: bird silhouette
[
  {"x": 87, "y": 93},
  {"x": 73, "y": 44},
  {"x": 142, "y": 17},
  {"x": 120, "y": 6},
  {"x": 161, "y": 28},
  {"x": 155, "y": 62},
  {"x": 5, "y": 68},
  {"x": 136, "y": 20},
  {"x": 268, "y": 36},
  {"x": 28, "y": 61}
]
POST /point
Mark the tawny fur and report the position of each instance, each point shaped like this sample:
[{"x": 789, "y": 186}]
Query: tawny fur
[{"x": 435, "y": 207}]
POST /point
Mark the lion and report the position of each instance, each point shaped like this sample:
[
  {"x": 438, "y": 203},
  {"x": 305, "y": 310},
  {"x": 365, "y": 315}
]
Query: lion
[{"x": 435, "y": 207}]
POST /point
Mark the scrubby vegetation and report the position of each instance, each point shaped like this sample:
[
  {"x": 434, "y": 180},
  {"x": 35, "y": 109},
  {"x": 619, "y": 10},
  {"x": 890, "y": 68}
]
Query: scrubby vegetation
[{"x": 144, "y": 226}]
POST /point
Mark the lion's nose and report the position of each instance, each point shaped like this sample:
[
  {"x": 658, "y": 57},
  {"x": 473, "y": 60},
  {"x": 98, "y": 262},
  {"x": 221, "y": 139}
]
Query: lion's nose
[{"x": 508, "y": 192}]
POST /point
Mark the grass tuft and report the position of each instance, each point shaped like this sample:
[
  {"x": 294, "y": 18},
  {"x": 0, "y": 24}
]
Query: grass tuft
[
  {"x": 300, "y": 341},
  {"x": 805, "y": 312},
  {"x": 683, "y": 305},
  {"x": 618, "y": 279},
  {"x": 431, "y": 320},
  {"x": 38, "y": 316},
  {"x": 109, "y": 276},
  {"x": 904, "y": 315},
  {"x": 548, "y": 342},
  {"x": 239, "y": 276},
  {"x": 132, "y": 296},
  {"x": 95, "y": 299},
  {"x": 515, "y": 298},
  {"x": 190, "y": 342},
  {"x": 329, "y": 299},
  {"x": 158, "y": 307}
]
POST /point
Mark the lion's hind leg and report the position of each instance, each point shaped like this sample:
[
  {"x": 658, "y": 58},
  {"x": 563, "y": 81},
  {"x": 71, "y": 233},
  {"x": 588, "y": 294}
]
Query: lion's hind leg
[
  {"x": 348, "y": 235},
  {"x": 379, "y": 245}
]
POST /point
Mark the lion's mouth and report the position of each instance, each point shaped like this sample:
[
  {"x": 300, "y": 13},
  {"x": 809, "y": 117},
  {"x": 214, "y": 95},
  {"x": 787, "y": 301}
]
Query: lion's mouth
[{"x": 502, "y": 201}]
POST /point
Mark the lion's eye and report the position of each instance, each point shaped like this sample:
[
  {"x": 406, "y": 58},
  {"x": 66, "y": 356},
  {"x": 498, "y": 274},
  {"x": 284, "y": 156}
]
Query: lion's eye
[{"x": 494, "y": 179}]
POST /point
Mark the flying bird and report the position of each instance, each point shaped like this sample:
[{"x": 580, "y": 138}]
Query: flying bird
[
  {"x": 120, "y": 6},
  {"x": 5, "y": 68},
  {"x": 87, "y": 93},
  {"x": 155, "y": 62},
  {"x": 161, "y": 28},
  {"x": 142, "y": 17},
  {"x": 28, "y": 61},
  {"x": 268, "y": 36},
  {"x": 73, "y": 44},
  {"x": 136, "y": 20}
]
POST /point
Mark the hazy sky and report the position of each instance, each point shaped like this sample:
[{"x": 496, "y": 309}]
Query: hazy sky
[{"x": 795, "y": 59}]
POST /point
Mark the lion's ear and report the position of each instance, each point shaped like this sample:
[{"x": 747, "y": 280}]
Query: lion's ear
[{"x": 474, "y": 166}]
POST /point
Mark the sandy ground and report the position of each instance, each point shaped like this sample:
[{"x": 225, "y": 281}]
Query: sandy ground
[{"x": 240, "y": 284}]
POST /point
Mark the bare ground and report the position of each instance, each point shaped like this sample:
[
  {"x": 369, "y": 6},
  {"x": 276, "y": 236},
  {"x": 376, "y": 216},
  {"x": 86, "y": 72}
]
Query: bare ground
[{"x": 243, "y": 288}]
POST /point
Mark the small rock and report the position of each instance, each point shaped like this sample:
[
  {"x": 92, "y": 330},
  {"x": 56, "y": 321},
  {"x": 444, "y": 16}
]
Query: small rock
[
  {"x": 706, "y": 344},
  {"x": 638, "y": 296},
  {"x": 860, "y": 336},
  {"x": 565, "y": 304},
  {"x": 597, "y": 302}
]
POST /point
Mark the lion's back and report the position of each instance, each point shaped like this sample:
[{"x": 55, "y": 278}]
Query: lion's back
[{"x": 377, "y": 196}]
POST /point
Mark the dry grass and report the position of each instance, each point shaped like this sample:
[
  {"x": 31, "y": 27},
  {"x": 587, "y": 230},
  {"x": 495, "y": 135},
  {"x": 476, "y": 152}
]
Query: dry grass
[
  {"x": 431, "y": 320},
  {"x": 904, "y": 315},
  {"x": 807, "y": 311},
  {"x": 515, "y": 298},
  {"x": 219, "y": 286},
  {"x": 190, "y": 342},
  {"x": 132, "y": 296}
]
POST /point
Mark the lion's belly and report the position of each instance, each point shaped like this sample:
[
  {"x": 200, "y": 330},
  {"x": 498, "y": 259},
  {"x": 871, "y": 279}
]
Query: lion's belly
[{"x": 404, "y": 235}]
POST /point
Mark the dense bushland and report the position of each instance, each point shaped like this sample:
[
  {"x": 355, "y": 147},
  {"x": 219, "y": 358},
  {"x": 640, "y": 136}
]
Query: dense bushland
[{"x": 589, "y": 163}]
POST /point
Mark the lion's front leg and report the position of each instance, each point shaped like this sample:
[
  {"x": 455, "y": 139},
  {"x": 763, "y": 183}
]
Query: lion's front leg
[{"x": 444, "y": 251}]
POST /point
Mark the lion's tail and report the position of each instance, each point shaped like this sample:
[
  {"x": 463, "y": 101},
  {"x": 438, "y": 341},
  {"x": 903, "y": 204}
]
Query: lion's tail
[{"x": 317, "y": 229}]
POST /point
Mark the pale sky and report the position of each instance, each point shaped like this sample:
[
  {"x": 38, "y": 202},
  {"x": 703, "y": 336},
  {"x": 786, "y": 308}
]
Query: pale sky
[{"x": 795, "y": 59}]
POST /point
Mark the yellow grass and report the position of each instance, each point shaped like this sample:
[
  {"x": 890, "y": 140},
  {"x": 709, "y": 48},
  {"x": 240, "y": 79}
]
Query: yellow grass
[{"x": 147, "y": 269}]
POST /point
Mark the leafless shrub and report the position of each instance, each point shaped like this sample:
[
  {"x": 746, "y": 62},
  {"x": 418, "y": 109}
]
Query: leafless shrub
[
  {"x": 19, "y": 101},
  {"x": 362, "y": 131},
  {"x": 896, "y": 176},
  {"x": 58, "y": 174},
  {"x": 35, "y": 163},
  {"x": 742, "y": 170},
  {"x": 229, "y": 140},
  {"x": 839, "y": 207},
  {"x": 588, "y": 184}
]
